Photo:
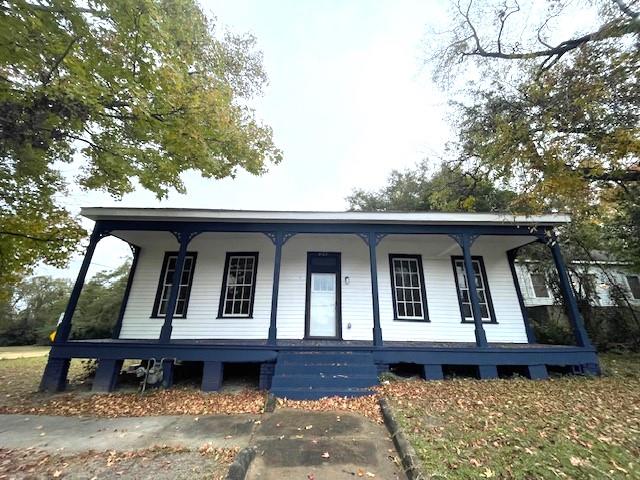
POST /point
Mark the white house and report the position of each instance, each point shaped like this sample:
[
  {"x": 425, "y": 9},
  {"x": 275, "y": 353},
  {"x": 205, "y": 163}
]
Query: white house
[
  {"x": 603, "y": 272},
  {"x": 323, "y": 301}
]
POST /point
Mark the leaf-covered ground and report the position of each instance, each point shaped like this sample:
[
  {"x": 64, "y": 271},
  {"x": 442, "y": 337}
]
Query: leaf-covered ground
[
  {"x": 19, "y": 381},
  {"x": 160, "y": 463},
  {"x": 567, "y": 427}
]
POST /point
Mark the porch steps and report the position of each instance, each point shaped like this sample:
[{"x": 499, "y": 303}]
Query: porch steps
[{"x": 309, "y": 375}]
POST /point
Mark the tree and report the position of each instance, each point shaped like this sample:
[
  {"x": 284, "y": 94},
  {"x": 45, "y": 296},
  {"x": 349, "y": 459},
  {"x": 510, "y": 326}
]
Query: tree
[
  {"x": 447, "y": 189},
  {"x": 34, "y": 309},
  {"x": 557, "y": 119},
  {"x": 99, "y": 304},
  {"x": 137, "y": 92}
]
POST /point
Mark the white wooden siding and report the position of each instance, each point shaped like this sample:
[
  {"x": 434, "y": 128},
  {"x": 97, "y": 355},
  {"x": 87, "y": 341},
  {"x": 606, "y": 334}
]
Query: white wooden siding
[
  {"x": 357, "y": 307},
  {"x": 357, "y": 311},
  {"x": 202, "y": 312},
  {"x": 442, "y": 301}
]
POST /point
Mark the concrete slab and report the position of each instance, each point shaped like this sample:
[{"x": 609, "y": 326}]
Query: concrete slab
[
  {"x": 322, "y": 445},
  {"x": 290, "y": 443},
  {"x": 73, "y": 434}
]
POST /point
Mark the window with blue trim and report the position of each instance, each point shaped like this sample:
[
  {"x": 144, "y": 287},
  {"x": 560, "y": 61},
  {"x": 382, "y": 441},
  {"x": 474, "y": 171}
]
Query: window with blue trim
[
  {"x": 462, "y": 283},
  {"x": 166, "y": 282},
  {"x": 407, "y": 287}
]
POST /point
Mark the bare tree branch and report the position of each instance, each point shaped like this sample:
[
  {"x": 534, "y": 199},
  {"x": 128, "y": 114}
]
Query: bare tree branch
[
  {"x": 626, "y": 9},
  {"x": 31, "y": 237}
]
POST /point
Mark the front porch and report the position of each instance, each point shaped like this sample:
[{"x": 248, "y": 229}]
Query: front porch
[{"x": 399, "y": 286}]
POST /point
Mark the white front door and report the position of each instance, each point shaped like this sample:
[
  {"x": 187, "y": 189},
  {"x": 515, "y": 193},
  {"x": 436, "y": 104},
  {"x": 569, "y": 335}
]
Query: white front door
[{"x": 322, "y": 305}]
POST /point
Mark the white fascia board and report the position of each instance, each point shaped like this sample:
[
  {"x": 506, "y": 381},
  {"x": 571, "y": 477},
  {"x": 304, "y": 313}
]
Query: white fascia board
[{"x": 432, "y": 218}]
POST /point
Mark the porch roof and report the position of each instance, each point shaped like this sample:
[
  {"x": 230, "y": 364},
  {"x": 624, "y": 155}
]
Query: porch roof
[{"x": 264, "y": 216}]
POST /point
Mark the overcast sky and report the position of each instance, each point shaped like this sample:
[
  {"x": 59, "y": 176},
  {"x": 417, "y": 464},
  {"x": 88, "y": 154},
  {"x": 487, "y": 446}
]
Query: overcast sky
[{"x": 348, "y": 100}]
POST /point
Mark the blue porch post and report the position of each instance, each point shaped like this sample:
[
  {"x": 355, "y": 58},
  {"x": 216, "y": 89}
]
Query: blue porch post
[
  {"x": 580, "y": 332},
  {"x": 127, "y": 291},
  {"x": 54, "y": 377},
  {"x": 373, "y": 266},
  {"x": 481, "y": 338},
  {"x": 64, "y": 329},
  {"x": 511, "y": 257},
  {"x": 167, "y": 327},
  {"x": 278, "y": 240}
]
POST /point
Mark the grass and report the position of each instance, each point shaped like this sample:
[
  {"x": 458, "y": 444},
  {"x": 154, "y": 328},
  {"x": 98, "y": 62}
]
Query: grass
[{"x": 567, "y": 427}]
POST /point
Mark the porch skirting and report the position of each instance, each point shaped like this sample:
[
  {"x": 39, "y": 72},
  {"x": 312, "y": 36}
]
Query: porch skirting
[{"x": 431, "y": 356}]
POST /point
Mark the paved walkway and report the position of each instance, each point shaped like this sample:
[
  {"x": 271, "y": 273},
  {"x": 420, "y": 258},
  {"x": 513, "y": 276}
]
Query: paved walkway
[{"x": 290, "y": 443}]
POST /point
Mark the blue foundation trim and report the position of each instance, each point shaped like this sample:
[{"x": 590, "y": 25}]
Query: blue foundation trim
[
  {"x": 167, "y": 373},
  {"x": 125, "y": 299},
  {"x": 106, "y": 378},
  {"x": 511, "y": 257},
  {"x": 433, "y": 372},
  {"x": 212, "y": 373},
  {"x": 54, "y": 378},
  {"x": 266, "y": 375},
  {"x": 581, "y": 360},
  {"x": 487, "y": 372},
  {"x": 537, "y": 372}
]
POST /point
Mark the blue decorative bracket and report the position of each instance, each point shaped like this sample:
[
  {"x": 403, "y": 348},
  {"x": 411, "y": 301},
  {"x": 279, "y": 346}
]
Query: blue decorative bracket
[
  {"x": 458, "y": 237},
  {"x": 187, "y": 235},
  {"x": 284, "y": 237},
  {"x": 365, "y": 237}
]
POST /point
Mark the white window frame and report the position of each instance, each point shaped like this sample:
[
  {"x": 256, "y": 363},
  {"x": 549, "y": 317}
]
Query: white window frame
[
  {"x": 459, "y": 262},
  {"x": 164, "y": 292},
  {"x": 626, "y": 279},
  {"x": 533, "y": 285},
  {"x": 420, "y": 288},
  {"x": 253, "y": 277}
]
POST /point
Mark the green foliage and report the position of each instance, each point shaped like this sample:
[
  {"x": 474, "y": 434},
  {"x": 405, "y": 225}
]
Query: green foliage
[
  {"x": 449, "y": 189},
  {"x": 32, "y": 307},
  {"x": 99, "y": 304},
  {"x": 136, "y": 92}
]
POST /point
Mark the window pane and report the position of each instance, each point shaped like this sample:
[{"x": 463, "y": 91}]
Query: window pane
[
  {"x": 401, "y": 310},
  {"x": 409, "y": 310},
  {"x": 484, "y": 311},
  {"x": 418, "y": 309},
  {"x": 466, "y": 310},
  {"x": 399, "y": 294},
  {"x": 634, "y": 285},
  {"x": 245, "y": 308},
  {"x": 179, "y": 307},
  {"x": 481, "y": 296}
]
